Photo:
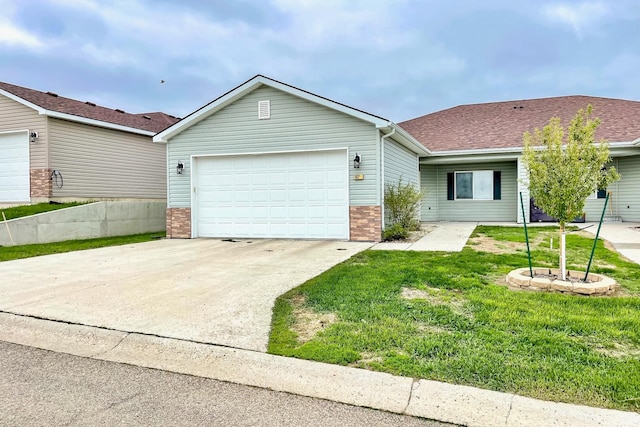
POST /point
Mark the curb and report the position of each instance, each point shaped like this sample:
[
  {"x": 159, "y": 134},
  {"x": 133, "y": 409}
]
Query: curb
[{"x": 422, "y": 398}]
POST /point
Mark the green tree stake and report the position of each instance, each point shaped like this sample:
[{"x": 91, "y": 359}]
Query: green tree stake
[
  {"x": 526, "y": 235},
  {"x": 595, "y": 241}
]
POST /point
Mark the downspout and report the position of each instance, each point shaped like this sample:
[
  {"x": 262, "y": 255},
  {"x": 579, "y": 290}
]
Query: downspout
[{"x": 382, "y": 138}]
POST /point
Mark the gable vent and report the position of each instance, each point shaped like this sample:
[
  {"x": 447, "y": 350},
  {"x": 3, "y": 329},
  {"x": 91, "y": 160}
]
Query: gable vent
[{"x": 264, "y": 110}]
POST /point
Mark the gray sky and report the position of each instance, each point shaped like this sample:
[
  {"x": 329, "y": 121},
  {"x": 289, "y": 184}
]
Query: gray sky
[{"x": 398, "y": 59}]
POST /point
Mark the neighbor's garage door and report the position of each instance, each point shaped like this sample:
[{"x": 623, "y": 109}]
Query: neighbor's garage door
[
  {"x": 14, "y": 167},
  {"x": 292, "y": 195}
]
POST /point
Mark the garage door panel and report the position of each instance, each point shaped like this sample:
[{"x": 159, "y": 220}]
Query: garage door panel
[
  {"x": 293, "y": 195},
  {"x": 14, "y": 167}
]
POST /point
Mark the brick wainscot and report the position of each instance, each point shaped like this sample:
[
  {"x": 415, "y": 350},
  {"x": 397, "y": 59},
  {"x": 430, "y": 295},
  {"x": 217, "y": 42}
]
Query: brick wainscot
[
  {"x": 178, "y": 223},
  {"x": 366, "y": 223}
]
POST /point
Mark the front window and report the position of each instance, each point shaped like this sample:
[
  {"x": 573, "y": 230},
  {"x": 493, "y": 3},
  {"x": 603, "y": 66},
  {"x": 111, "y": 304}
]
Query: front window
[{"x": 475, "y": 185}]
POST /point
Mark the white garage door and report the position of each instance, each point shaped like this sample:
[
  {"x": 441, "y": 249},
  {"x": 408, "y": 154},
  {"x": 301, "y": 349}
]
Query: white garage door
[
  {"x": 292, "y": 195},
  {"x": 14, "y": 167}
]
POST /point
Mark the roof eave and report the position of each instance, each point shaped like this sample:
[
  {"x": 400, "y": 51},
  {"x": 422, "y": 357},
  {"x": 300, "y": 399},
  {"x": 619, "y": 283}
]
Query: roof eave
[
  {"x": 22, "y": 101},
  {"x": 462, "y": 156},
  {"x": 508, "y": 153},
  {"x": 405, "y": 138},
  {"x": 251, "y": 85},
  {"x": 93, "y": 122}
]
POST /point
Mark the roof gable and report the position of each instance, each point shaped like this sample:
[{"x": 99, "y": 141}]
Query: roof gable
[
  {"x": 500, "y": 125},
  {"x": 251, "y": 85},
  {"x": 51, "y": 104}
]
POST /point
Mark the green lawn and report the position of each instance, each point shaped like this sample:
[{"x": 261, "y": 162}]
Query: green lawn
[
  {"x": 448, "y": 317},
  {"x": 28, "y": 210},
  {"x": 8, "y": 253}
]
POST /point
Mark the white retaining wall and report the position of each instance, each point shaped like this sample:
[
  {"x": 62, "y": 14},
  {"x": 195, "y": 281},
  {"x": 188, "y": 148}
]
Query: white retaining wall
[{"x": 100, "y": 219}]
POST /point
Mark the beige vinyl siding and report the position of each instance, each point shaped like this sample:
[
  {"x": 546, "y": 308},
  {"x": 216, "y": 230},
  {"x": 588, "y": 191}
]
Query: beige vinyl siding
[
  {"x": 429, "y": 188},
  {"x": 295, "y": 125},
  {"x": 628, "y": 197},
  {"x": 503, "y": 210},
  {"x": 15, "y": 116},
  {"x": 103, "y": 163}
]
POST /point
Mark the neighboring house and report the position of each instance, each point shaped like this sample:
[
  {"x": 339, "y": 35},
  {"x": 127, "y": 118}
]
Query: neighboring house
[
  {"x": 475, "y": 173},
  {"x": 270, "y": 160},
  {"x": 55, "y": 149}
]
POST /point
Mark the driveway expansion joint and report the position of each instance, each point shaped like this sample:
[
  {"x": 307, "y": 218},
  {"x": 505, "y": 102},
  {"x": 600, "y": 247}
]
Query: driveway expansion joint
[
  {"x": 414, "y": 385},
  {"x": 506, "y": 419}
]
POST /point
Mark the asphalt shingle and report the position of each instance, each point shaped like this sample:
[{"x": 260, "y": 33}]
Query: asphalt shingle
[
  {"x": 502, "y": 124},
  {"x": 152, "y": 122}
]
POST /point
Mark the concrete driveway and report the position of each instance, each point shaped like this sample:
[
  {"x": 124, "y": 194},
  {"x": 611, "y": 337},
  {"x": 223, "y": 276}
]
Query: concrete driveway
[{"x": 203, "y": 290}]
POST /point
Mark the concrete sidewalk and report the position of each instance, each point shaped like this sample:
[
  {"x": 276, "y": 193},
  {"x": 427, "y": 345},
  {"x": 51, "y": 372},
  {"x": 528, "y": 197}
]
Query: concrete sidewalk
[
  {"x": 624, "y": 236},
  {"x": 445, "y": 237},
  {"x": 428, "y": 399}
]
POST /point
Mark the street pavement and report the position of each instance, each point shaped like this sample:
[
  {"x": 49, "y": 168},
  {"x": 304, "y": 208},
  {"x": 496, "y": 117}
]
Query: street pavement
[{"x": 43, "y": 388}]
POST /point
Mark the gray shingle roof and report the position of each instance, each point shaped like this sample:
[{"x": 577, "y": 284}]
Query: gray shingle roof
[
  {"x": 151, "y": 122},
  {"x": 501, "y": 124}
]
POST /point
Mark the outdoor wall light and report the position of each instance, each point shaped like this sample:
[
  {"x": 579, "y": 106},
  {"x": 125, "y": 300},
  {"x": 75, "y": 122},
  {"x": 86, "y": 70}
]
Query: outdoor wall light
[
  {"x": 180, "y": 167},
  {"x": 356, "y": 162},
  {"x": 33, "y": 136}
]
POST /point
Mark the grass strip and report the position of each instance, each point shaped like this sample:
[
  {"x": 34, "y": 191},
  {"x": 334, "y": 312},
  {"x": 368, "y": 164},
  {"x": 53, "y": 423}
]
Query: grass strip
[
  {"x": 28, "y": 210},
  {"x": 449, "y": 317},
  {"x": 8, "y": 253}
]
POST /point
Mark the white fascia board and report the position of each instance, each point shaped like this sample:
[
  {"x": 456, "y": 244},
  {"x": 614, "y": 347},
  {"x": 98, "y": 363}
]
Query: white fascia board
[
  {"x": 204, "y": 112},
  {"x": 22, "y": 101},
  {"x": 636, "y": 142},
  {"x": 94, "y": 122},
  {"x": 497, "y": 154},
  {"x": 379, "y": 122},
  {"x": 404, "y": 138},
  {"x": 250, "y": 86},
  {"x": 497, "y": 157},
  {"x": 71, "y": 117}
]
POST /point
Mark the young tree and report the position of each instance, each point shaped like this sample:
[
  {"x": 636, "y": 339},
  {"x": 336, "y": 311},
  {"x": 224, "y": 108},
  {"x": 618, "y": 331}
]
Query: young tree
[{"x": 563, "y": 174}]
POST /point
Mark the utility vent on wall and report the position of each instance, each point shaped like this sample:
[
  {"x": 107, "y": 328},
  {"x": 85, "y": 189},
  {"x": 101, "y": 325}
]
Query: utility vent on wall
[{"x": 264, "y": 110}]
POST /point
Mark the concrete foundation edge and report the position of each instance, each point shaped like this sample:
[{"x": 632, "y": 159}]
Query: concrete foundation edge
[
  {"x": 89, "y": 221},
  {"x": 427, "y": 399}
]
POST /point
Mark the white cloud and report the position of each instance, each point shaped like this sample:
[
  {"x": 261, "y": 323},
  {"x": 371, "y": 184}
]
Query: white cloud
[
  {"x": 12, "y": 35},
  {"x": 17, "y": 37},
  {"x": 359, "y": 23},
  {"x": 578, "y": 16}
]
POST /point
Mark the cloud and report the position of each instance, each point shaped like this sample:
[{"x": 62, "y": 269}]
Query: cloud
[
  {"x": 17, "y": 37},
  {"x": 13, "y": 35},
  {"x": 578, "y": 16}
]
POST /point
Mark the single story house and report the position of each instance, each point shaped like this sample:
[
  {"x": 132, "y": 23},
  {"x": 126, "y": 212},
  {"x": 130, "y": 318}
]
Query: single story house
[
  {"x": 54, "y": 148},
  {"x": 270, "y": 160},
  {"x": 267, "y": 159},
  {"x": 482, "y": 144}
]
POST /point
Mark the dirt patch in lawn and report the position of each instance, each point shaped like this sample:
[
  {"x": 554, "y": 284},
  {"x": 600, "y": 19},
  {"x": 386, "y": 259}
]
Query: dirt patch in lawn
[
  {"x": 620, "y": 350},
  {"x": 309, "y": 322},
  {"x": 482, "y": 243},
  {"x": 437, "y": 296}
]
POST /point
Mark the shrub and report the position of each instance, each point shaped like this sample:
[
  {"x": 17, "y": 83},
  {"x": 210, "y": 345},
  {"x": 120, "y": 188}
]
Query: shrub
[
  {"x": 395, "y": 232},
  {"x": 401, "y": 201}
]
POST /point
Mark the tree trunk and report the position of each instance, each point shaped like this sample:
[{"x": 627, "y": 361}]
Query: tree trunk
[{"x": 563, "y": 254}]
